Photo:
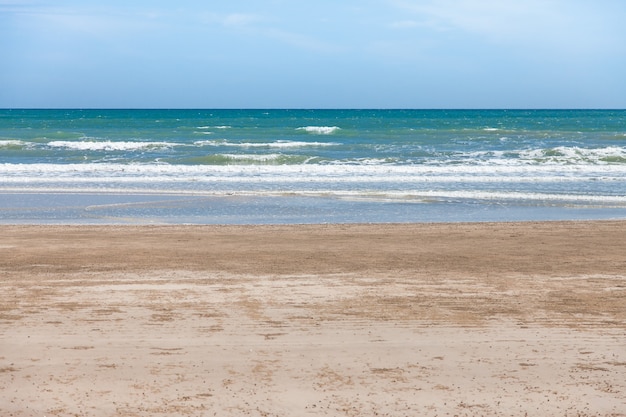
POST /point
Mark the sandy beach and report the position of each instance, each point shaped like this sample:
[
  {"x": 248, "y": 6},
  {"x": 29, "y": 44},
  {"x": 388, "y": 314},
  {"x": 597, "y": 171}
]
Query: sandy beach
[{"x": 476, "y": 319}]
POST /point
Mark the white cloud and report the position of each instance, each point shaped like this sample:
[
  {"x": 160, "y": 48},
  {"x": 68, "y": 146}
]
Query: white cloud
[
  {"x": 257, "y": 25},
  {"x": 552, "y": 24},
  {"x": 404, "y": 24},
  {"x": 14, "y": 6},
  {"x": 95, "y": 22},
  {"x": 240, "y": 19},
  {"x": 301, "y": 41},
  {"x": 489, "y": 17}
]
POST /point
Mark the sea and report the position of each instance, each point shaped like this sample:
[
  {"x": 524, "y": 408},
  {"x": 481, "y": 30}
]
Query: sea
[{"x": 310, "y": 166}]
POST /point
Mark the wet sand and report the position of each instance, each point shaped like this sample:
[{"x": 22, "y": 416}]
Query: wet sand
[{"x": 479, "y": 319}]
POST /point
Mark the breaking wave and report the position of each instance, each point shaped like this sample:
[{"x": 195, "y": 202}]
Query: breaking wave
[{"x": 320, "y": 130}]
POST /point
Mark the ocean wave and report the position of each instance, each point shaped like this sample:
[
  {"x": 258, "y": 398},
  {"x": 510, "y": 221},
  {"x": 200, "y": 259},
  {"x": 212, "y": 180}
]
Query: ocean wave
[
  {"x": 276, "y": 144},
  {"x": 108, "y": 145},
  {"x": 253, "y": 157},
  {"x": 11, "y": 143},
  {"x": 163, "y": 185},
  {"x": 560, "y": 155},
  {"x": 242, "y": 159},
  {"x": 575, "y": 155},
  {"x": 320, "y": 130},
  {"x": 520, "y": 196},
  {"x": 317, "y": 172},
  {"x": 270, "y": 175},
  {"x": 213, "y": 127},
  {"x": 501, "y": 196}
]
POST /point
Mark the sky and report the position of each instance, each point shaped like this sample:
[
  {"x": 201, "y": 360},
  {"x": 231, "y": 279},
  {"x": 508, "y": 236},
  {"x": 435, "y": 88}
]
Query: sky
[{"x": 313, "y": 54}]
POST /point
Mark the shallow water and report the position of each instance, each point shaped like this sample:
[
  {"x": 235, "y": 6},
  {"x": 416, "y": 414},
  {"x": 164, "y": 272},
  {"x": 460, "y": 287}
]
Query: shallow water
[{"x": 310, "y": 166}]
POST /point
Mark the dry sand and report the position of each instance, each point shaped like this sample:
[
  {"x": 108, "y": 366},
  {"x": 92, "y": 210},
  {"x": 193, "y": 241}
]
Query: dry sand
[{"x": 508, "y": 319}]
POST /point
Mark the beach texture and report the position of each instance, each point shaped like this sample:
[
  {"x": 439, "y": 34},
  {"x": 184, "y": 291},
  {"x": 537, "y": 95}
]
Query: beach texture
[{"x": 482, "y": 319}]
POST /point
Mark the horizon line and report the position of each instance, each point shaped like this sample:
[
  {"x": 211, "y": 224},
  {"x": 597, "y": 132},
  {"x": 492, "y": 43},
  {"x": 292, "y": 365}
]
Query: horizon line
[{"x": 326, "y": 108}]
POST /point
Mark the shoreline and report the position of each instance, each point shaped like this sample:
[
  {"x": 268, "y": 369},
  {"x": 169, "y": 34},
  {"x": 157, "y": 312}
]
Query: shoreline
[
  {"x": 117, "y": 208},
  {"x": 480, "y": 318}
]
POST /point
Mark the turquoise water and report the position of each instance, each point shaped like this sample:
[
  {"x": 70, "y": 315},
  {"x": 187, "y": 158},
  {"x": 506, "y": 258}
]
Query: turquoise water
[{"x": 303, "y": 166}]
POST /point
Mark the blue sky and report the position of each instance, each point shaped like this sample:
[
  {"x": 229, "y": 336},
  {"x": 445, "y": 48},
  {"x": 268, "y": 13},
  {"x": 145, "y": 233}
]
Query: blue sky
[{"x": 313, "y": 54}]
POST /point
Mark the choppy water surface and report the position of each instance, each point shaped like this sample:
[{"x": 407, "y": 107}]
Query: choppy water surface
[{"x": 315, "y": 165}]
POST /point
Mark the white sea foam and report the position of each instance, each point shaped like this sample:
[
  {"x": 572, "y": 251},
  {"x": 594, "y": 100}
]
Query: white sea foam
[
  {"x": 276, "y": 144},
  {"x": 314, "y": 172},
  {"x": 108, "y": 145},
  {"x": 476, "y": 195},
  {"x": 253, "y": 157},
  {"x": 559, "y": 183},
  {"x": 128, "y": 186},
  {"x": 213, "y": 127},
  {"x": 320, "y": 130},
  {"x": 561, "y": 155},
  {"x": 11, "y": 143},
  {"x": 496, "y": 195},
  {"x": 574, "y": 154}
]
